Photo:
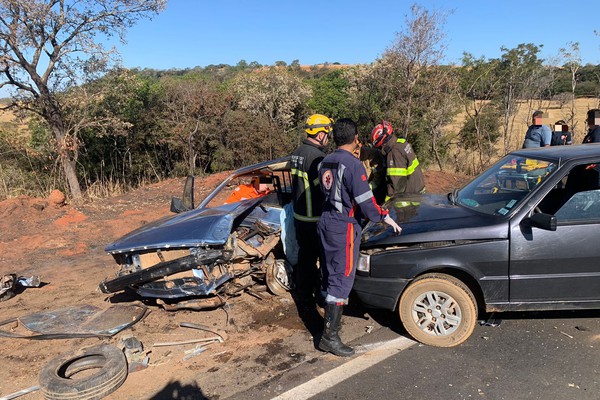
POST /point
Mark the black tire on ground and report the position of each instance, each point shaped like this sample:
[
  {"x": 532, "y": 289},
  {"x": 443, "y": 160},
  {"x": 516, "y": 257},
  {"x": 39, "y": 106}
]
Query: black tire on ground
[
  {"x": 438, "y": 310},
  {"x": 58, "y": 381}
]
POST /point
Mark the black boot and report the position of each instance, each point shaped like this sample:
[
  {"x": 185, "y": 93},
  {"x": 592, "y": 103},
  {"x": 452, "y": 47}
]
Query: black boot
[{"x": 330, "y": 341}]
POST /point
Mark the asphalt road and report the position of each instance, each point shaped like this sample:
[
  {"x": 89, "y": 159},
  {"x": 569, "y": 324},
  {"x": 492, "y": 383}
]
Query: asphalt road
[{"x": 551, "y": 355}]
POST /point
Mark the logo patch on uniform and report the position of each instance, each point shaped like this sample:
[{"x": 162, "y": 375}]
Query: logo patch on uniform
[
  {"x": 363, "y": 177},
  {"x": 327, "y": 179}
]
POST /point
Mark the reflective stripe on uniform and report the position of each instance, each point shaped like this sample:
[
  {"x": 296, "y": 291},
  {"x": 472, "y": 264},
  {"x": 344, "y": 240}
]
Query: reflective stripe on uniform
[
  {"x": 306, "y": 219},
  {"x": 403, "y": 171},
  {"x": 349, "y": 249},
  {"x": 307, "y": 192},
  {"x": 337, "y": 192},
  {"x": 363, "y": 197}
]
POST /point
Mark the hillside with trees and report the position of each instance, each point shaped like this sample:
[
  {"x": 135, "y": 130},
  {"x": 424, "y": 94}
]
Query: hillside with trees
[{"x": 94, "y": 129}]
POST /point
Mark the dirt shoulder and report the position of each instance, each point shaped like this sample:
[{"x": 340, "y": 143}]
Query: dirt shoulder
[{"x": 64, "y": 246}]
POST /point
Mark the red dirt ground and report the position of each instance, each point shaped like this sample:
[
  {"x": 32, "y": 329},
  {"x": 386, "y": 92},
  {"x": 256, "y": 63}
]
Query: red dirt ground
[{"x": 63, "y": 245}]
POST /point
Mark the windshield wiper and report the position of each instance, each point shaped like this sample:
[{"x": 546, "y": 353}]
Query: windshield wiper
[{"x": 452, "y": 196}]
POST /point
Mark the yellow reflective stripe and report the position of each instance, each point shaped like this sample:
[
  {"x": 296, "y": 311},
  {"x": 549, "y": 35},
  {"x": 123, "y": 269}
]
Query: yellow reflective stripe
[
  {"x": 403, "y": 171},
  {"x": 316, "y": 182},
  {"x": 401, "y": 140},
  {"x": 387, "y": 198},
  {"x": 306, "y": 219},
  {"x": 400, "y": 204},
  {"x": 307, "y": 191}
]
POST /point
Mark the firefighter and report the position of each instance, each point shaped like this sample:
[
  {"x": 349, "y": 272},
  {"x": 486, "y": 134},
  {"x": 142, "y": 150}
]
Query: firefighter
[
  {"x": 307, "y": 201},
  {"x": 404, "y": 174},
  {"x": 347, "y": 197}
]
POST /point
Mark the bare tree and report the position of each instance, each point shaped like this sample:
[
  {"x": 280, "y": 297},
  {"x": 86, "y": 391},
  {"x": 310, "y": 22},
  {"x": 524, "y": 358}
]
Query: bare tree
[
  {"x": 416, "y": 49},
  {"x": 48, "y": 46},
  {"x": 572, "y": 58}
]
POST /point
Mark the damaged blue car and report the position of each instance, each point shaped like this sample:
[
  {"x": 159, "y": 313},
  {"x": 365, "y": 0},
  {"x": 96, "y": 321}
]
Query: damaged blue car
[{"x": 201, "y": 256}]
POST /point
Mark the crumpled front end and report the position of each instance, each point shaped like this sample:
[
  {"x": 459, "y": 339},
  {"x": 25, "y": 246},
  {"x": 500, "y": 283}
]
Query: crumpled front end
[{"x": 178, "y": 274}]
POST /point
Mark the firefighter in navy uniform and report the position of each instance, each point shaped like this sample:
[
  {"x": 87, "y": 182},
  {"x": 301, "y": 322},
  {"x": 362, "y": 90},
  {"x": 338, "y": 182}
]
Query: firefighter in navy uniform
[
  {"x": 404, "y": 174},
  {"x": 347, "y": 197},
  {"x": 307, "y": 200}
]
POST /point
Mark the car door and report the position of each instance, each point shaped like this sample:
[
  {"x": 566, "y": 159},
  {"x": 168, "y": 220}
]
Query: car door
[{"x": 563, "y": 265}]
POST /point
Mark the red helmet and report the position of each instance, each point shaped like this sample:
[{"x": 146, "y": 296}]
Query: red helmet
[{"x": 381, "y": 133}]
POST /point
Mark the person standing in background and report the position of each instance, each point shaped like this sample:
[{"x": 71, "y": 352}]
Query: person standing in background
[
  {"x": 538, "y": 134},
  {"x": 560, "y": 134},
  {"x": 593, "y": 122},
  {"x": 403, "y": 172}
]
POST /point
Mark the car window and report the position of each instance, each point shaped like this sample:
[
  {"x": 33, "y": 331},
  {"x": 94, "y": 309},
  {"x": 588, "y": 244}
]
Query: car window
[
  {"x": 273, "y": 187},
  {"x": 503, "y": 186},
  {"x": 564, "y": 197},
  {"x": 582, "y": 206}
]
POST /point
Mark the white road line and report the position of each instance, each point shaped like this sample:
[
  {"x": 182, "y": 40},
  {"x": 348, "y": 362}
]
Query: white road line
[{"x": 375, "y": 354}]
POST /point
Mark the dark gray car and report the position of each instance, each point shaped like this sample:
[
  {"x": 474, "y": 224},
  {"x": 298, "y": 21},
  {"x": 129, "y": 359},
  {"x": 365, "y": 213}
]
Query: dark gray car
[{"x": 523, "y": 235}]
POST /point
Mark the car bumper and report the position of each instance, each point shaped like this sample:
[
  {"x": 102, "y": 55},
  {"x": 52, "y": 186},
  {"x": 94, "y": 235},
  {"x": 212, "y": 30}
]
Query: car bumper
[{"x": 378, "y": 292}]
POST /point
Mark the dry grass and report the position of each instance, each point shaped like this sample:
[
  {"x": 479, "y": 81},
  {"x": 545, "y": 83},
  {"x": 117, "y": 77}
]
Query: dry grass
[{"x": 553, "y": 110}]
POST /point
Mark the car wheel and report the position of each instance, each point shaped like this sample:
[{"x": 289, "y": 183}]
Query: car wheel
[
  {"x": 438, "y": 310},
  {"x": 58, "y": 379},
  {"x": 279, "y": 277}
]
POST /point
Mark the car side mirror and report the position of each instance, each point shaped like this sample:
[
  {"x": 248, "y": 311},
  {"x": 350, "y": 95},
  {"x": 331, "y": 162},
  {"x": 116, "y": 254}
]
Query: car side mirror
[
  {"x": 186, "y": 203},
  {"x": 543, "y": 221}
]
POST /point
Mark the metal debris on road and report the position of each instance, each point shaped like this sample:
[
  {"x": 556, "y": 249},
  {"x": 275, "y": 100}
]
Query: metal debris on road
[{"x": 566, "y": 334}]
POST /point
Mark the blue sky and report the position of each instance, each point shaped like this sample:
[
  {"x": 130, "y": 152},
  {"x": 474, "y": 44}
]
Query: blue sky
[{"x": 198, "y": 33}]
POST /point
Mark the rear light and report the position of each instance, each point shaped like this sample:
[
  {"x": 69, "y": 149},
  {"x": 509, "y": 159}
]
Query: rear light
[{"x": 364, "y": 263}]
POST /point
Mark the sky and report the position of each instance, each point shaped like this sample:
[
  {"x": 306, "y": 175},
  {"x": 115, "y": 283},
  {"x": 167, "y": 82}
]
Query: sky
[{"x": 193, "y": 33}]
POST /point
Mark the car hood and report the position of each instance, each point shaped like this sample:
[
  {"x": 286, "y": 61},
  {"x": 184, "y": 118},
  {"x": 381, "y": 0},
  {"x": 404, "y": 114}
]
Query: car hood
[
  {"x": 432, "y": 218},
  {"x": 197, "y": 227}
]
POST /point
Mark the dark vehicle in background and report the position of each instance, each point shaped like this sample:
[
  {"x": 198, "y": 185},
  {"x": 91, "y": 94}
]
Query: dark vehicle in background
[
  {"x": 201, "y": 256},
  {"x": 521, "y": 236}
]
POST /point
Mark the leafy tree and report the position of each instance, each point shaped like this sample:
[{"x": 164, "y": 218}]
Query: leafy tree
[
  {"x": 276, "y": 95},
  {"x": 521, "y": 77},
  {"x": 239, "y": 142},
  {"x": 364, "y": 97},
  {"x": 48, "y": 46},
  {"x": 329, "y": 95},
  {"x": 192, "y": 112},
  {"x": 479, "y": 87},
  {"x": 122, "y": 145}
]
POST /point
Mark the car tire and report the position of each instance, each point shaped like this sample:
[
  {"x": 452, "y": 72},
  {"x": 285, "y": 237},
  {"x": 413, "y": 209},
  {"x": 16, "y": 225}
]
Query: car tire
[
  {"x": 58, "y": 378},
  {"x": 279, "y": 277},
  {"x": 438, "y": 310}
]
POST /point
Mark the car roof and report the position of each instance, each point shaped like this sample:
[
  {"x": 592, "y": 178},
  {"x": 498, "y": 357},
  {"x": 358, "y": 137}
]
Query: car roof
[
  {"x": 279, "y": 164},
  {"x": 561, "y": 154}
]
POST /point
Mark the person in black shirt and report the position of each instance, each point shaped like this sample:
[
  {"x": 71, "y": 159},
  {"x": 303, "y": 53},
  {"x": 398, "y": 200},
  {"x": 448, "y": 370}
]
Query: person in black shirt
[
  {"x": 593, "y": 121},
  {"x": 307, "y": 201},
  {"x": 561, "y": 134}
]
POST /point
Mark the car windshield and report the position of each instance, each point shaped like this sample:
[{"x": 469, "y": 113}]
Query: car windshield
[{"x": 503, "y": 187}]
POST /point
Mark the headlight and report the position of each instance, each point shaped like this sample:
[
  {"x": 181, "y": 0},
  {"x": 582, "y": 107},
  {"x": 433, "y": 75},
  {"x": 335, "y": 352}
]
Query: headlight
[{"x": 364, "y": 262}]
